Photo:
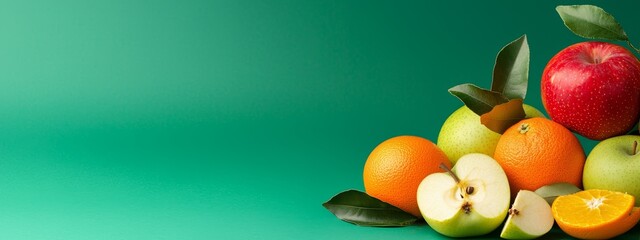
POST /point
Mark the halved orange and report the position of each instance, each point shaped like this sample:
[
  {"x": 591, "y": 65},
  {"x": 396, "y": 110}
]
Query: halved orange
[{"x": 595, "y": 213}]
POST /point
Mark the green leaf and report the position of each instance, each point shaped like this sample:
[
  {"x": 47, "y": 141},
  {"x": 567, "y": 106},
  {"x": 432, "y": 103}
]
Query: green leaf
[
  {"x": 511, "y": 70},
  {"x": 590, "y": 21},
  {"x": 503, "y": 116},
  {"x": 479, "y": 100},
  {"x": 361, "y": 209},
  {"x": 551, "y": 192}
]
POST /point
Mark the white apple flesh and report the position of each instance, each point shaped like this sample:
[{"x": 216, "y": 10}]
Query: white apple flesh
[
  {"x": 529, "y": 217},
  {"x": 472, "y": 199}
]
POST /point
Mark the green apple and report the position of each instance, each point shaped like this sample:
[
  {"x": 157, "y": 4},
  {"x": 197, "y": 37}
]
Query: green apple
[
  {"x": 463, "y": 133},
  {"x": 529, "y": 217},
  {"x": 471, "y": 199},
  {"x": 614, "y": 164}
]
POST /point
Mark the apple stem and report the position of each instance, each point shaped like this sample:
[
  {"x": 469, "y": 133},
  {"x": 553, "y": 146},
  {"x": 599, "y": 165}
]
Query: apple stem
[
  {"x": 444, "y": 167},
  {"x": 631, "y": 45},
  {"x": 463, "y": 191},
  {"x": 635, "y": 148}
]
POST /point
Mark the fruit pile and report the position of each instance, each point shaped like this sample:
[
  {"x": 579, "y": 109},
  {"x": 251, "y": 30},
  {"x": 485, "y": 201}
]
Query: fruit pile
[{"x": 499, "y": 161}]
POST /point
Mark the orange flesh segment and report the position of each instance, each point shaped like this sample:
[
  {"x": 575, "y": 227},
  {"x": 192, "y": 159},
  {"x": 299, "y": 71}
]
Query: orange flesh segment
[
  {"x": 596, "y": 214},
  {"x": 593, "y": 207}
]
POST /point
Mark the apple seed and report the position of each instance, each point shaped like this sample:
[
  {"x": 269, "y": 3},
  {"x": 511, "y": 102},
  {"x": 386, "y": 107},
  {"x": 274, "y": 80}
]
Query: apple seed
[
  {"x": 513, "y": 211},
  {"x": 469, "y": 190}
]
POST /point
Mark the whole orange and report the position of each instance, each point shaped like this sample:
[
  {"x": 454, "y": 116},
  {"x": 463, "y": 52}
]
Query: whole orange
[
  {"x": 395, "y": 168},
  {"x": 536, "y": 152}
]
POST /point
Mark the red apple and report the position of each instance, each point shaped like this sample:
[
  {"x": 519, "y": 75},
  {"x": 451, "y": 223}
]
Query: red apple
[{"x": 593, "y": 88}]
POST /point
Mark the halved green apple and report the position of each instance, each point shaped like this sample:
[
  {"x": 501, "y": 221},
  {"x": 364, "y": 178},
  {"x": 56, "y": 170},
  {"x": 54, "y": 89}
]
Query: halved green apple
[
  {"x": 529, "y": 217},
  {"x": 471, "y": 199}
]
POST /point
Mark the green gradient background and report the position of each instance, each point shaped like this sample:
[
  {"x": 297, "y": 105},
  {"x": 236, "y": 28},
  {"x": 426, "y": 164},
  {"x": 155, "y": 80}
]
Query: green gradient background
[{"x": 233, "y": 119}]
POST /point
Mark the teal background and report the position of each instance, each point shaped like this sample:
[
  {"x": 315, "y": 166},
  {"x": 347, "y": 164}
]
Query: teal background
[{"x": 234, "y": 119}]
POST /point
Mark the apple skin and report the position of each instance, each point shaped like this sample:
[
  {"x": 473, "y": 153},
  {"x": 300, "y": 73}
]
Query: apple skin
[
  {"x": 514, "y": 232},
  {"x": 593, "y": 89},
  {"x": 467, "y": 225},
  {"x": 462, "y": 133},
  {"x": 611, "y": 166}
]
